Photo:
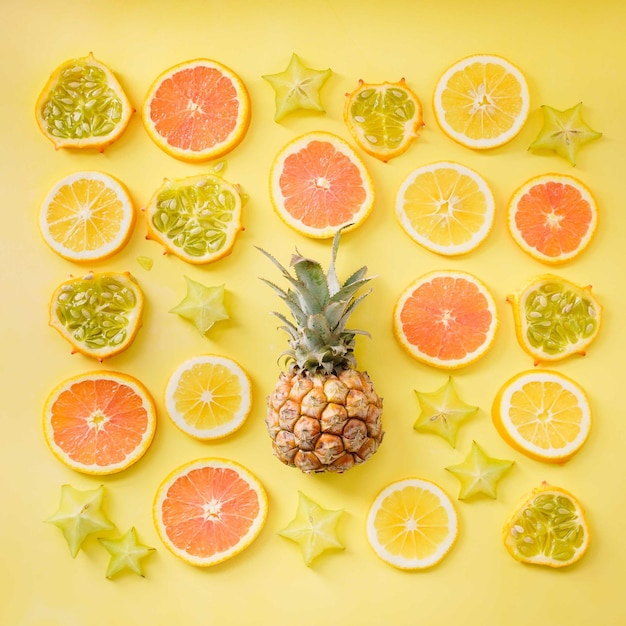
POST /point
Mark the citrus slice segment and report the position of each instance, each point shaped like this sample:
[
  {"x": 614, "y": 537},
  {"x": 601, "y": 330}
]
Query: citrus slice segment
[
  {"x": 545, "y": 415},
  {"x": 209, "y": 510},
  {"x": 208, "y": 397},
  {"x": 481, "y": 101},
  {"x": 99, "y": 313},
  {"x": 412, "y": 524},
  {"x": 197, "y": 110},
  {"x": 87, "y": 216},
  {"x": 552, "y": 217},
  {"x": 384, "y": 118},
  {"x": 447, "y": 319},
  {"x": 445, "y": 207},
  {"x": 83, "y": 105},
  {"x": 196, "y": 218},
  {"x": 549, "y": 528},
  {"x": 99, "y": 422},
  {"x": 555, "y": 318},
  {"x": 319, "y": 185}
]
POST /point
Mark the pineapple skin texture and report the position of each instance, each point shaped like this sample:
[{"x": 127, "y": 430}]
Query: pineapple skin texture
[{"x": 324, "y": 422}]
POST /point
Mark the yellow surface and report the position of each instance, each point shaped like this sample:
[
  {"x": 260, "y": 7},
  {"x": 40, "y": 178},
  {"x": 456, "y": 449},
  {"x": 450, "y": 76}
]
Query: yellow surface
[{"x": 569, "y": 51}]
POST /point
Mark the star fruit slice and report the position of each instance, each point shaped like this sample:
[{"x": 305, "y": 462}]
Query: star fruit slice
[
  {"x": 314, "y": 529},
  {"x": 479, "y": 473},
  {"x": 80, "y": 515},
  {"x": 298, "y": 87},
  {"x": 442, "y": 412},
  {"x": 126, "y": 553}
]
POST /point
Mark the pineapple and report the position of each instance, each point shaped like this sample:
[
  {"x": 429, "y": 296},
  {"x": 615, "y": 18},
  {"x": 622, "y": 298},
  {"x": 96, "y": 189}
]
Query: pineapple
[{"x": 323, "y": 414}]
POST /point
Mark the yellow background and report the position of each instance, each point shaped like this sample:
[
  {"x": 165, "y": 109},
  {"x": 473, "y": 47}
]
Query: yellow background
[{"x": 570, "y": 51}]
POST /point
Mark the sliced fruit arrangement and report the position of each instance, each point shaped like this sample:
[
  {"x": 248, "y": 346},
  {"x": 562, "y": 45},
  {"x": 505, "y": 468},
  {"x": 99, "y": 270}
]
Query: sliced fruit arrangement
[
  {"x": 481, "y": 101},
  {"x": 314, "y": 529},
  {"x": 196, "y": 218},
  {"x": 323, "y": 414},
  {"x": 209, "y": 510},
  {"x": 446, "y": 318},
  {"x": 87, "y": 216},
  {"x": 319, "y": 185},
  {"x": 549, "y": 528},
  {"x": 298, "y": 87},
  {"x": 412, "y": 524},
  {"x": 99, "y": 313},
  {"x": 208, "y": 397},
  {"x": 445, "y": 207},
  {"x": 197, "y": 110},
  {"x": 83, "y": 105},
  {"x": 555, "y": 318},
  {"x": 564, "y": 132},
  {"x": 543, "y": 414},
  {"x": 99, "y": 422},
  {"x": 552, "y": 217},
  {"x": 384, "y": 118}
]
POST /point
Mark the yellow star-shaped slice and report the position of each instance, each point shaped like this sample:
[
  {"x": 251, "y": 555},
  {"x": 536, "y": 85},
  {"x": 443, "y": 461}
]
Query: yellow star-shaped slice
[
  {"x": 314, "y": 529},
  {"x": 479, "y": 473},
  {"x": 126, "y": 553},
  {"x": 80, "y": 515},
  {"x": 442, "y": 412},
  {"x": 202, "y": 306},
  {"x": 564, "y": 132},
  {"x": 298, "y": 87}
]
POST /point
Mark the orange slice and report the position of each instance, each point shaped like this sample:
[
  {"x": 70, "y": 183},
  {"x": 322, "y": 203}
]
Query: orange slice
[
  {"x": 445, "y": 207},
  {"x": 545, "y": 415},
  {"x": 209, "y": 510},
  {"x": 99, "y": 422},
  {"x": 552, "y": 217},
  {"x": 548, "y": 528},
  {"x": 99, "y": 313},
  {"x": 197, "y": 110},
  {"x": 412, "y": 524},
  {"x": 87, "y": 216},
  {"x": 481, "y": 101},
  {"x": 447, "y": 319},
  {"x": 83, "y": 105},
  {"x": 319, "y": 185},
  {"x": 384, "y": 118}
]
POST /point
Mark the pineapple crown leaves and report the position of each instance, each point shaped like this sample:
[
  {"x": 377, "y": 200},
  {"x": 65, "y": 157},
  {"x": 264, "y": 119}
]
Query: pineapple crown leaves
[{"x": 320, "y": 306}]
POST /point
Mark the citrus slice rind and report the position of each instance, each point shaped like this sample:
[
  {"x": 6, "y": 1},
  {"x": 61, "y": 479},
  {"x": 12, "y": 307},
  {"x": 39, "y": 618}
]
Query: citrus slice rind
[
  {"x": 209, "y": 510},
  {"x": 412, "y": 524},
  {"x": 83, "y": 105},
  {"x": 319, "y": 185},
  {"x": 544, "y": 415},
  {"x": 87, "y": 216},
  {"x": 196, "y": 218},
  {"x": 197, "y": 110},
  {"x": 446, "y": 319},
  {"x": 99, "y": 314},
  {"x": 99, "y": 422},
  {"x": 555, "y": 318},
  {"x": 481, "y": 101},
  {"x": 384, "y": 118},
  {"x": 552, "y": 217},
  {"x": 445, "y": 207},
  {"x": 549, "y": 528},
  {"x": 208, "y": 397}
]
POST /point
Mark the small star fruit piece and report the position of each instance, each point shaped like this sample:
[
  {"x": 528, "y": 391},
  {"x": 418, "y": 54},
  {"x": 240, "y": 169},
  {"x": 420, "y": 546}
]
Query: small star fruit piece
[
  {"x": 314, "y": 529},
  {"x": 564, "y": 132},
  {"x": 479, "y": 473},
  {"x": 298, "y": 87},
  {"x": 442, "y": 412},
  {"x": 126, "y": 553},
  {"x": 202, "y": 306},
  {"x": 80, "y": 515}
]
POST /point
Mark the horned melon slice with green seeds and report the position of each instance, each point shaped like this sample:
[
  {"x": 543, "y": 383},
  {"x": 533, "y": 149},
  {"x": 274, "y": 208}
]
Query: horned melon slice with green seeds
[{"x": 555, "y": 318}]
